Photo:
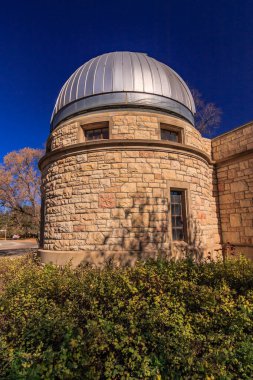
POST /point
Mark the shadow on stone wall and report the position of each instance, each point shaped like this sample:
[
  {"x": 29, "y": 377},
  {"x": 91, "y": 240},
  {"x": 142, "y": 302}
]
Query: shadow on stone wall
[
  {"x": 194, "y": 248},
  {"x": 143, "y": 232}
]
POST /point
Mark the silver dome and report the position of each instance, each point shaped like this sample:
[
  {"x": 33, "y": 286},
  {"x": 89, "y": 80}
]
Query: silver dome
[{"x": 123, "y": 79}]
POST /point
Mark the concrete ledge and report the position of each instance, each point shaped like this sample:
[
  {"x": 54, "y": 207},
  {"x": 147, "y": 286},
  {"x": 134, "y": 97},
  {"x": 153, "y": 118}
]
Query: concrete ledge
[
  {"x": 245, "y": 250},
  {"x": 95, "y": 258},
  {"x": 62, "y": 257},
  {"x": 98, "y": 259}
]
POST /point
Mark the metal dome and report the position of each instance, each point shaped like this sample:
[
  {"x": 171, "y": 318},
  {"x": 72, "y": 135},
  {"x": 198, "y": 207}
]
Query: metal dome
[{"x": 123, "y": 79}]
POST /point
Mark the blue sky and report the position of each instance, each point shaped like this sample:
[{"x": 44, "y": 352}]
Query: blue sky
[{"x": 209, "y": 43}]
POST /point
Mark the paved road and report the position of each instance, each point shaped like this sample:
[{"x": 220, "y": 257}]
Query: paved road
[{"x": 16, "y": 247}]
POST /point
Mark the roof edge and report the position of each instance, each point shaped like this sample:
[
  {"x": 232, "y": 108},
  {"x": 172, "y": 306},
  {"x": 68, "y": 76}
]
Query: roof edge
[
  {"x": 233, "y": 130},
  {"x": 124, "y": 100}
]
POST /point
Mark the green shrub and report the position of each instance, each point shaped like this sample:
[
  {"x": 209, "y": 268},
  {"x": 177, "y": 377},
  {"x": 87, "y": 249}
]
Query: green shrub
[{"x": 158, "y": 320}]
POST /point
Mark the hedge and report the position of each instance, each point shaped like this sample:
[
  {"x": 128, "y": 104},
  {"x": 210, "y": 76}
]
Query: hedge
[{"x": 157, "y": 320}]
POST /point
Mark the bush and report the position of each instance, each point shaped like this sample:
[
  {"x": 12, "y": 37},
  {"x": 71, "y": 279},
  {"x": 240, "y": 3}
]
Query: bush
[{"x": 158, "y": 320}]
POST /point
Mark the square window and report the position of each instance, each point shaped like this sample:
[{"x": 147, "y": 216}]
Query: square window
[
  {"x": 171, "y": 133},
  {"x": 96, "y": 131}
]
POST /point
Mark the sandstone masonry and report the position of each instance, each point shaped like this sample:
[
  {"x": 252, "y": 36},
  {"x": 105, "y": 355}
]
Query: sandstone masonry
[
  {"x": 126, "y": 175},
  {"x": 233, "y": 153},
  {"x": 105, "y": 198}
]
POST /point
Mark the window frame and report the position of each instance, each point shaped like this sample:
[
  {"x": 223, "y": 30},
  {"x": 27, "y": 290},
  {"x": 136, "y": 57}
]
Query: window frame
[
  {"x": 172, "y": 128},
  {"x": 93, "y": 126},
  {"x": 184, "y": 214}
]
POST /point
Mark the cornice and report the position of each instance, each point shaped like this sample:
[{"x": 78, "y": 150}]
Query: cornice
[
  {"x": 234, "y": 157},
  {"x": 122, "y": 145}
]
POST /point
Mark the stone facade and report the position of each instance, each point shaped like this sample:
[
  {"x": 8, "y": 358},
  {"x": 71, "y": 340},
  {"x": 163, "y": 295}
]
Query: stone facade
[
  {"x": 126, "y": 175},
  {"x": 111, "y": 198},
  {"x": 233, "y": 153},
  {"x": 127, "y": 125}
]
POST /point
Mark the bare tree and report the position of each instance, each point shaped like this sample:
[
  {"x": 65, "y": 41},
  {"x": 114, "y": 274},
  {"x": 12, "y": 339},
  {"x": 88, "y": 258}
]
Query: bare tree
[
  {"x": 208, "y": 115},
  {"x": 20, "y": 185}
]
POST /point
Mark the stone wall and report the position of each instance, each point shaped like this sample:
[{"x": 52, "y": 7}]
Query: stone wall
[
  {"x": 64, "y": 136},
  {"x": 112, "y": 198},
  {"x": 233, "y": 152},
  {"x": 236, "y": 141},
  {"x": 127, "y": 125},
  {"x": 107, "y": 203}
]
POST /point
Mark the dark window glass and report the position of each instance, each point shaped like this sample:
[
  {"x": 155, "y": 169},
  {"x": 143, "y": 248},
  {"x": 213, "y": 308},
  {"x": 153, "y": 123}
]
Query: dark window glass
[
  {"x": 170, "y": 135},
  {"x": 105, "y": 133},
  {"x": 178, "y": 214},
  {"x": 97, "y": 134}
]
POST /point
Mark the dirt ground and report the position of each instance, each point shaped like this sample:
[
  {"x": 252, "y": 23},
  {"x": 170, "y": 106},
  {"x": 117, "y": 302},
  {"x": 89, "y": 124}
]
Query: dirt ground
[{"x": 17, "y": 247}]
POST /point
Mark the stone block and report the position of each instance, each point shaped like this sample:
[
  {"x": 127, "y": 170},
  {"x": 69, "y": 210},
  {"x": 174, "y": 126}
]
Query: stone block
[
  {"x": 238, "y": 186},
  {"x": 246, "y": 202},
  {"x": 79, "y": 228},
  {"x": 113, "y": 157},
  {"x": 249, "y": 231},
  {"x": 235, "y": 220},
  {"x": 111, "y": 173},
  {"x": 81, "y": 158},
  {"x": 129, "y": 187},
  {"x": 88, "y": 166},
  {"x": 147, "y": 154},
  {"x": 67, "y": 192},
  {"x": 95, "y": 238},
  {"x": 124, "y": 202},
  {"x": 148, "y": 177},
  {"x": 175, "y": 164},
  {"x": 107, "y": 200},
  {"x": 227, "y": 198},
  {"x": 113, "y": 189},
  {"x": 139, "y": 168},
  {"x": 142, "y": 135}
]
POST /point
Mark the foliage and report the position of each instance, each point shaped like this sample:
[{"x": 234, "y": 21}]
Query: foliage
[
  {"x": 20, "y": 190},
  {"x": 18, "y": 223},
  {"x": 208, "y": 115},
  {"x": 157, "y": 320}
]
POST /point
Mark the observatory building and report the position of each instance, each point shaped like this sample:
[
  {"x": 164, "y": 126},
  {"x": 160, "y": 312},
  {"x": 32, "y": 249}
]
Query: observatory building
[{"x": 126, "y": 175}]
